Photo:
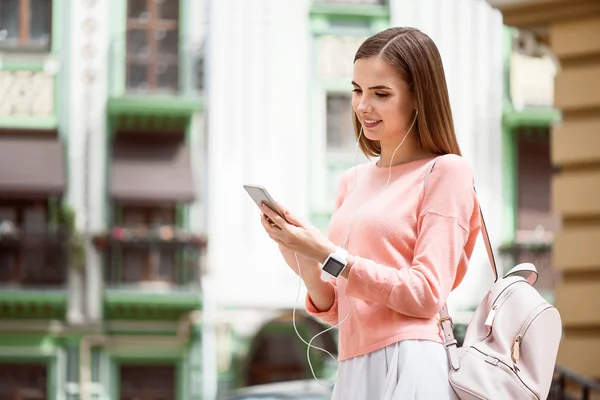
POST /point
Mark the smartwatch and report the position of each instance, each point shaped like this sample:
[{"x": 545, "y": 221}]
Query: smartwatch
[{"x": 334, "y": 265}]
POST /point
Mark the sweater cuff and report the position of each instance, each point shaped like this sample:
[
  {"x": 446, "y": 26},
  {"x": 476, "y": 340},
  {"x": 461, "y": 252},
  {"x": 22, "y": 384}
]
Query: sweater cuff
[
  {"x": 364, "y": 282},
  {"x": 327, "y": 315}
]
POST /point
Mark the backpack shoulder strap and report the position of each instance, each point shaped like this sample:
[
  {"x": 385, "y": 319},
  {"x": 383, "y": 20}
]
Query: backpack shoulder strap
[
  {"x": 484, "y": 231},
  {"x": 445, "y": 321}
]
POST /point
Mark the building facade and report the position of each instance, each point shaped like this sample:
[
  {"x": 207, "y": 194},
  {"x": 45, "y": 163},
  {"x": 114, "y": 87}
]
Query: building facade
[
  {"x": 132, "y": 260},
  {"x": 102, "y": 168},
  {"x": 569, "y": 31},
  {"x": 529, "y": 224}
]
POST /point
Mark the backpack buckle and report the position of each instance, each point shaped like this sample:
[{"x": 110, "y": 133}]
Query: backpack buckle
[{"x": 444, "y": 319}]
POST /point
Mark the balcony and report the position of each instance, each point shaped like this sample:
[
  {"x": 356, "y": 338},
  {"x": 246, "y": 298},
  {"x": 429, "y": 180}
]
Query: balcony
[
  {"x": 33, "y": 259},
  {"x": 33, "y": 270},
  {"x": 151, "y": 273},
  {"x": 159, "y": 75},
  {"x": 568, "y": 385},
  {"x": 537, "y": 253}
]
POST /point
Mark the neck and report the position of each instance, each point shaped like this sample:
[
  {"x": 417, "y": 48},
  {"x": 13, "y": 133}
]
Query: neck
[{"x": 409, "y": 151}]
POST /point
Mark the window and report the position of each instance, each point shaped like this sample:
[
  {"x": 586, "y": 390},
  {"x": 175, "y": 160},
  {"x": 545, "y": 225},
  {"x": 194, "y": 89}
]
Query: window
[
  {"x": 147, "y": 263},
  {"x": 147, "y": 382},
  {"x": 23, "y": 382},
  {"x": 340, "y": 130},
  {"x": 35, "y": 256},
  {"x": 152, "y": 45},
  {"x": 536, "y": 221},
  {"x": 25, "y": 24},
  {"x": 30, "y": 216}
]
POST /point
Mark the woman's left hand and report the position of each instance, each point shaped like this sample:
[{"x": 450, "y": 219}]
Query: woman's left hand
[{"x": 297, "y": 235}]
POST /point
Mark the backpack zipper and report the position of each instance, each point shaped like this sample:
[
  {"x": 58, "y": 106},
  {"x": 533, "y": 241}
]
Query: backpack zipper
[
  {"x": 516, "y": 346},
  {"x": 502, "y": 297},
  {"x": 511, "y": 370}
]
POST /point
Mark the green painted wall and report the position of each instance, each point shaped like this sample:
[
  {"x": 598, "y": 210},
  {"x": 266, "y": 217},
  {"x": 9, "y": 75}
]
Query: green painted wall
[
  {"x": 333, "y": 19},
  {"x": 20, "y": 348},
  {"x": 61, "y": 353},
  {"x": 37, "y": 64},
  {"x": 512, "y": 121}
]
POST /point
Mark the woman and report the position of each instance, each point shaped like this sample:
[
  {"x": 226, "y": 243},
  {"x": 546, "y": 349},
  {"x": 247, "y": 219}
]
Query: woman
[{"x": 408, "y": 243}]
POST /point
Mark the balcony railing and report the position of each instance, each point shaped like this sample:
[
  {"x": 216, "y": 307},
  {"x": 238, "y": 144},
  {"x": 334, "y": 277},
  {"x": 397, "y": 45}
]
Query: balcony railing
[
  {"x": 161, "y": 256},
  {"x": 568, "y": 385},
  {"x": 540, "y": 254},
  {"x": 145, "y": 69},
  {"x": 33, "y": 259}
]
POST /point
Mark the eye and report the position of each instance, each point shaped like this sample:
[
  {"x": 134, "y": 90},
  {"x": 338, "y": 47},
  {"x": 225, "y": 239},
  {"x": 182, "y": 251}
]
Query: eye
[
  {"x": 381, "y": 95},
  {"x": 357, "y": 91}
]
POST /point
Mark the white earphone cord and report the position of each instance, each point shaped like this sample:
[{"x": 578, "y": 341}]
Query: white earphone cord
[{"x": 309, "y": 343}]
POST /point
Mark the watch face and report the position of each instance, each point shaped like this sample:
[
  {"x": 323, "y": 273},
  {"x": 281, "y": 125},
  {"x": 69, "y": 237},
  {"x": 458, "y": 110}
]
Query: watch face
[{"x": 333, "y": 267}]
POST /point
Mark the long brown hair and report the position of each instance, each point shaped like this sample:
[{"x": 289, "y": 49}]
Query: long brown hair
[{"x": 417, "y": 59}]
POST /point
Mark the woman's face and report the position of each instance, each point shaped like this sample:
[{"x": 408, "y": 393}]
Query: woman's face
[{"x": 382, "y": 101}]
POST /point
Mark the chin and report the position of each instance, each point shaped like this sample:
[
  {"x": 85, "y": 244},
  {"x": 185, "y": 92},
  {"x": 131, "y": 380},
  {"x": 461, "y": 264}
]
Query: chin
[{"x": 375, "y": 136}]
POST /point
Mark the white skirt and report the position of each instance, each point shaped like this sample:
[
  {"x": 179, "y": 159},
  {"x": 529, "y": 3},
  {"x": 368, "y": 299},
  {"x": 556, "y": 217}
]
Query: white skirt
[{"x": 410, "y": 369}]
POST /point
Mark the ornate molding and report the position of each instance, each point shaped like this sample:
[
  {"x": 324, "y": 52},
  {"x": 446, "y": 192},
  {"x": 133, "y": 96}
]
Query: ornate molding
[{"x": 26, "y": 93}]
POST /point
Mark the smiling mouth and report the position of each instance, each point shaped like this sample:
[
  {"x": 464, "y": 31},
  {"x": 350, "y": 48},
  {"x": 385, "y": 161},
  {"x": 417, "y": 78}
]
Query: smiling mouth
[{"x": 371, "y": 123}]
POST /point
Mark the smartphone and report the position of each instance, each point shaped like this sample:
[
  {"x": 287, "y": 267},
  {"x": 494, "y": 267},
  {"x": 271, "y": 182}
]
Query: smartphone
[{"x": 260, "y": 195}]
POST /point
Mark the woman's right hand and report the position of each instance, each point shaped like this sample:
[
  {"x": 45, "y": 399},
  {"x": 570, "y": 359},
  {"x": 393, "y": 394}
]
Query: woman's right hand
[{"x": 309, "y": 269}]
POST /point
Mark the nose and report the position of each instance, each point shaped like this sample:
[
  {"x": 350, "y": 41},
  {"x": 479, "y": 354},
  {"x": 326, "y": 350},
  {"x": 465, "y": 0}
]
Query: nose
[{"x": 363, "y": 106}]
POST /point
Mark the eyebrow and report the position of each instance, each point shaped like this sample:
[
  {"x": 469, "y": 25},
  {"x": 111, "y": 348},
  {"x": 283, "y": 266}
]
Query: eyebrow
[{"x": 374, "y": 87}]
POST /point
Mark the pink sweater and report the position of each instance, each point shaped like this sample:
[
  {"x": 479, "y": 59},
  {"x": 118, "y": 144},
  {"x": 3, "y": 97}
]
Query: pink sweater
[{"x": 411, "y": 249}]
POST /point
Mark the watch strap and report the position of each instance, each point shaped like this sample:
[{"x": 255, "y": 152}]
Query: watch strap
[
  {"x": 326, "y": 276},
  {"x": 340, "y": 254}
]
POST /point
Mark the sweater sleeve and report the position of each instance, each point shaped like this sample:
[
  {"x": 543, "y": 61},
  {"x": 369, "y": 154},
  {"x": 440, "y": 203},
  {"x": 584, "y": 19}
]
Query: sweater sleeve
[
  {"x": 447, "y": 226},
  {"x": 330, "y": 316}
]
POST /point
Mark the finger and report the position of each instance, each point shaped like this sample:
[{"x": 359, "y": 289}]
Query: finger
[
  {"x": 283, "y": 209},
  {"x": 266, "y": 222},
  {"x": 274, "y": 216},
  {"x": 289, "y": 217},
  {"x": 270, "y": 227}
]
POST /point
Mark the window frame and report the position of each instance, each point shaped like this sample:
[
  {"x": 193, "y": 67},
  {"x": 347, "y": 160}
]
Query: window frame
[
  {"x": 340, "y": 20},
  {"x": 146, "y": 393},
  {"x": 150, "y": 271},
  {"x": 24, "y": 41},
  {"x": 16, "y": 392},
  {"x": 151, "y": 27},
  {"x": 21, "y": 206},
  {"x": 346, "y": 148}
]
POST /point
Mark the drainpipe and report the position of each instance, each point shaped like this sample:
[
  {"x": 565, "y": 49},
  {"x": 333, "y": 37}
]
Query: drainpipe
[{"x": 87, "y": 342}]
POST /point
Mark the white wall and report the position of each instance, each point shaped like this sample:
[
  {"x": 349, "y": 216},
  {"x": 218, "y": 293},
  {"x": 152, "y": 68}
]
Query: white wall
[
  {"x": 256, "y": 110},
  {"x": 257, "y": 122},
  {"x": 87, "y": 67},
  {"x": 468, "y": 34}
]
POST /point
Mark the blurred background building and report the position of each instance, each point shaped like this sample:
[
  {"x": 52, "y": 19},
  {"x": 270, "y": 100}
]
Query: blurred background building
[
  {"x": 102, "y": 169},
  {"x": 132, "y": 262},
  {"x": 569, "y": 33}
]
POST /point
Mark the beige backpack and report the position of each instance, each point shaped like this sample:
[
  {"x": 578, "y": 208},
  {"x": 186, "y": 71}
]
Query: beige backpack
[{"x": 511, "y": 342}]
